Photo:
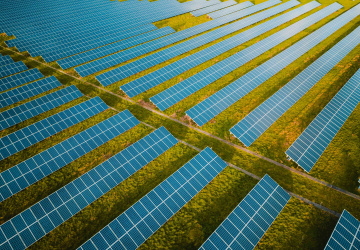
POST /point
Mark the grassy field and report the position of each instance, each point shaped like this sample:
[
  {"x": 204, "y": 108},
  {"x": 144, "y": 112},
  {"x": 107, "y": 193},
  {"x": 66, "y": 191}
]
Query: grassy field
[{"x": 300, "y": 225}]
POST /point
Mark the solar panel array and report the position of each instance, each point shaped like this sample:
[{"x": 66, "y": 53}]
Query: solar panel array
[
  {"x": 148, "y": 81},
  {"x": 250, "y": 220},
  {"x": 141, "y": 64},
  {"x": 34, "y": 169},
  {"x": 218, "y": 102},
  {"x": 38, "y": 106},
  {"x": 224, "y": 12},
  {"x": 12, "y": 68},
  {"x": 24, "y": 92},
  {"x": 20, "y": 79},
  {"x": 176, "y": 50},
  {"x": 311, "y": 144},
  {"x": 78, "y": 47},
  {"x": 141, "y": 220},
  {"x": 112, "y": 48},
  {"x": 157, "y": 77},
  {"x": 212, "y": 8},
  {"x": 79, "y": 29},
  {"x": 38, "y": 220},
  {"x": 346, "y": 234},
  {"x": 112, "y": 60},
  {"x": 4, "y": 60},
  {"x": 189, "y": 86},
  {"x": 259, "y": 120},
  {"x": 36, "y": 132}
]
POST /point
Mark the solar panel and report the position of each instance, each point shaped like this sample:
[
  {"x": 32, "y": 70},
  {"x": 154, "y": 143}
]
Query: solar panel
[
  {"x": 250, "y": 220},
  {"x": 192, "y": 84},
  {"x": 123, "y": 56},
  {"x": 84, "y": 31},
  {"x": 141, "y": 220},
  {"x": 310, "y": 145},
  {"x": 259, "y": 120},
  {"x": 38, "y": 106},
  {"x": 154, "y": 78},
  {"x": 38, "y": 220},
  {"x": 112, "y": 48},
  {"x": 43, "y": 164},
  {"x": 176, "y": 50},
  {"x": 5, "y": 60},
  {"x": 215, "y": 104},
  {"x": 78, "y": 47},
  {"x": 346, "y": 234},
  {"x": 12, "y": 68},
  {"x": 34, "y": 133},
  {"x": 20, "y": 79},
  {"x": 212, "y": 8},
  {"x": 74, "y": 45},
  {"x": 225, "y": 11},
  {"x": 24, "y": 92},
  {"x": 141, "y": 64}
]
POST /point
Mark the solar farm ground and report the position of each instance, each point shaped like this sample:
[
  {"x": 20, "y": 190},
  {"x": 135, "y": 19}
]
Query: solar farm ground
[{"x": 299, "y": 226}]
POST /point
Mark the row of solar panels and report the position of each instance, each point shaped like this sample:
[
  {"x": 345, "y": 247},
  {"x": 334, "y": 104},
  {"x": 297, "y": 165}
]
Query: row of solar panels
[
  {"x": 309, "y": 147},
  {"x": 143, "y": 218},
  {"x": 54, "y": 44},
  {"x": 243, "y": 228}
]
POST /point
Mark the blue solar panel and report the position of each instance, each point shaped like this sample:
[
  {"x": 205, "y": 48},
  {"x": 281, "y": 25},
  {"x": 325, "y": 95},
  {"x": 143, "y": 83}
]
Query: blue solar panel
[
  {"x": 5, "y": 60},
  {"x": 43, "y": 164},
  {"x": 12, "y": 68},
  {"x": 212, "y": 8},
  {"x": 58, "y": 35},
  {"x": 189, "y": 86},
  {"x": 311, "y": 144},
  {"x": 157, "y": 77},
  {"x": 55, "y": 53},
  {"x": 74, "y": 45},
  {"x": 250, "y": 220},
  {"x": 112, "y": 48},
  {"x": 225, "y": 11},
  {"x": 215, "y": 104},
  {"x": 19, "y": 79},
  {"x": 141, "y": 64},
  {"x": 28, "y": 136},
  {"x": 156, "y": 58},
  {"x": 259, "y": 120},
  {"x": 126, "y": 55},
  {"x": 29, "y": 90},
  {"x": 75, "y": 196},
  {"x": 346, "y": 234},
  {"x": 140, "y": 221},
  {"x": 38, "y": 106}
]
